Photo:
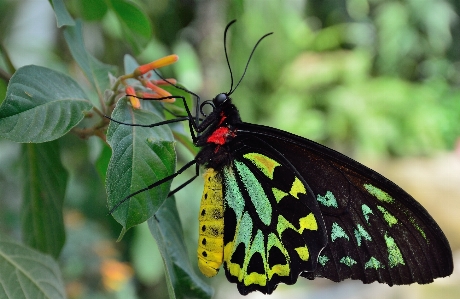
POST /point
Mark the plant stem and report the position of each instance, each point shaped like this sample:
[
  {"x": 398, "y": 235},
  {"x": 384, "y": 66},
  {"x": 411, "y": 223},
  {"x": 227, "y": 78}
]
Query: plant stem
[
  {"x": 5, "y": 76},
  {"x": 8, "y": 62}
]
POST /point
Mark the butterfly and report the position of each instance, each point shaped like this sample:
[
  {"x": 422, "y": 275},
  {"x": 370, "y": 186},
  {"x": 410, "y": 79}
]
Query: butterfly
[{"x": 277, "y": 206}]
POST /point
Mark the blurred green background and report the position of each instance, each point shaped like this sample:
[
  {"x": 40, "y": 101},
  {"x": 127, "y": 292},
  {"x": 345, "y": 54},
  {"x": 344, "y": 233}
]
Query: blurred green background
[{"x": 377, "y": 80}]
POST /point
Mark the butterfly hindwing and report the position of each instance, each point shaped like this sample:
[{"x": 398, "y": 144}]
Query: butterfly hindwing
[
  {"x": 376, "y": 231},
  {"x": 273, "y": 228}
]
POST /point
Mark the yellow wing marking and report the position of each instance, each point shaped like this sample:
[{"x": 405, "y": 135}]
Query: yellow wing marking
[
  {"x": 264, "y": 163},
  {"x": 308, "y": 222},
  {"x": 303, "y": 253},
  {"x": 297, "y": 187}
]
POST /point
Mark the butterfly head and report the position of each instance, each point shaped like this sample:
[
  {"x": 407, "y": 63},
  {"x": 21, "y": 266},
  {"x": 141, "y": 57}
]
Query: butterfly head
[{"x": 220, "y": 99}]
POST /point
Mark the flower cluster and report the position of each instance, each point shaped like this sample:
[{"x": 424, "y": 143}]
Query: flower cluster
[{"x": 151, "y": 88}]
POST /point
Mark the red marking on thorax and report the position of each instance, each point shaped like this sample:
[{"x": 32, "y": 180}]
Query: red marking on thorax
[
  {"x": 223, "y": 117},
  {"x": 219, "y": 136}
]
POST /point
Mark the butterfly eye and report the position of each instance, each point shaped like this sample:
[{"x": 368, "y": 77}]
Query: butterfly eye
[{"x": 220, "y": 99}]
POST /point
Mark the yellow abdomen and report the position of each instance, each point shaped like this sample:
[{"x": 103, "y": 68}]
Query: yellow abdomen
[{"x": 211, "y": 225}]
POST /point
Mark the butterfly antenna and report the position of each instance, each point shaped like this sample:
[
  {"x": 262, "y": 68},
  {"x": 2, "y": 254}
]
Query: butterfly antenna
[
  {"x": 226, "y": 54},
  {"x": 247, "y": 64}
]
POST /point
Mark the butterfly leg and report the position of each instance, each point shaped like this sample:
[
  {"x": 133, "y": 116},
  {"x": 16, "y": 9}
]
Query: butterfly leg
[
  {"x": 171, "y": 121},
  {"x": 197, "y": 172},
  {"x": 157, "y": 183},
  {"x": 192, "y": 124},
  {"x": 177, "y": 115}
]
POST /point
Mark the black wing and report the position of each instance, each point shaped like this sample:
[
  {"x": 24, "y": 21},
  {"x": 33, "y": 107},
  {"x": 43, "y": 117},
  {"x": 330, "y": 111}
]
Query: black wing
[{"x": 376, "y": 231}]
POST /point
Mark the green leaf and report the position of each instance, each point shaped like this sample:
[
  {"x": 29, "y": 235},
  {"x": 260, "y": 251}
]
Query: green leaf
[
  {"x": 63, "y": 17},
  {"x": 130, "y": 64},
  {"x": 140, "y": 157},
  {"x": 95, "y": 71},
  {"x": 44, "y": 190},
  {"x": 41, "y": 105},
  {"x": 93, "y": 10},
  {"x": 26, "y": 273},
  {"x": 135, "y": 23},
  {"x": 182, "y": 281},
  {"x": 2, "y": 91},
  {"x": 102, "y": 162}
]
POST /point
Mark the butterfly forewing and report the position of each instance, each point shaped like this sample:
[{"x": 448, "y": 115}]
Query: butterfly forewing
[
  {"x": 391, "y": 238},
  {"x": 376, "y": 231},
  {"x": 273, "y": 228}
]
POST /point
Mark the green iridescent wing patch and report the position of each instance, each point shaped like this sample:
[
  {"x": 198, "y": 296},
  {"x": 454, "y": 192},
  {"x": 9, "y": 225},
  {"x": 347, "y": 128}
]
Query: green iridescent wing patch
[
  {"x": 375, "y": 237},
  {"x": 265, "y": 242}
]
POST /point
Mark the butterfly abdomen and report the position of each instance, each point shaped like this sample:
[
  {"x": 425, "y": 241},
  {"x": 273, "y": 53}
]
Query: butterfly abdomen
[{"x": 211, "y": 225}]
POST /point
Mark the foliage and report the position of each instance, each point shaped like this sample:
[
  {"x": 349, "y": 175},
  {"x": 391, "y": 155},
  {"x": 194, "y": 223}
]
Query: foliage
[{"x": 367, "y": 77}]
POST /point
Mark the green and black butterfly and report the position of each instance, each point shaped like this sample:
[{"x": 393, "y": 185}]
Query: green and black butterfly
[{"x": 276, "y": 206}]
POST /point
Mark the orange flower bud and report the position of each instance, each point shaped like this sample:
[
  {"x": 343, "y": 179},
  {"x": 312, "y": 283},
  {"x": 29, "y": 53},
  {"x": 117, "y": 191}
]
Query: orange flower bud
[
  {"x": 131, "y": 95},
  {"x": 135, "y": 102},
  {"x": 146, "y": 95},
  {"x": 160, "y": 91},
  {"x": 164, "y": 82},
  {"x": 167, "y": 60},
  {"x": 130, "y": 91}
]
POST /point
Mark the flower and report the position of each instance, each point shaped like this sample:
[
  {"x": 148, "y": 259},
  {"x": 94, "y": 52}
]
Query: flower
[
  {"x": 140, "y": 73},
  {"x": 164, "y": 61},
  {"x": 131, "y": 95}
]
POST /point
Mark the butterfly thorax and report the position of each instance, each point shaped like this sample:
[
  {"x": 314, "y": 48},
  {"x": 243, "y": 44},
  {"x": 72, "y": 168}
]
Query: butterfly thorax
[{"x": 219, "y": 130}]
